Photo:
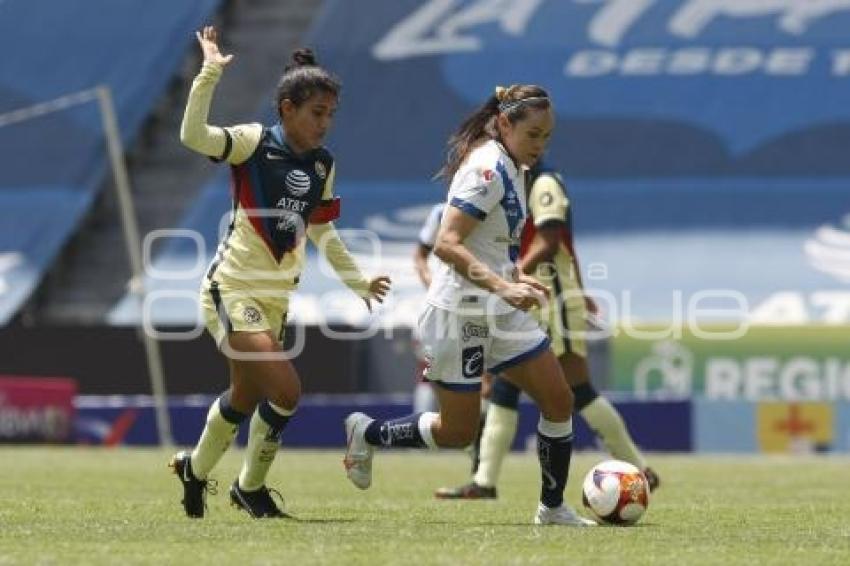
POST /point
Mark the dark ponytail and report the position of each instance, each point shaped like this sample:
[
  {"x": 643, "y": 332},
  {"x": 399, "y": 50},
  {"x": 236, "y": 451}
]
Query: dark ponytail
[
  {"x": 303, "y": 77},
  {"x": 513, "y": 102}
]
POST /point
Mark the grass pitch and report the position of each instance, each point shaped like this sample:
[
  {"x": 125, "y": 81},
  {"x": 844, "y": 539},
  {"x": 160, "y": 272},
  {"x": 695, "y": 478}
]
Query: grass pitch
[{"x": 101, "y": 506}]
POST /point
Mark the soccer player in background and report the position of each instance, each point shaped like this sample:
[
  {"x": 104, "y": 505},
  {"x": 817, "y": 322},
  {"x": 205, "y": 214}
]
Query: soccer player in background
[
  {"x": 547, "y": 253},
  {"x": 282, "y": 179},
  {"x": 476, "y": 313}
]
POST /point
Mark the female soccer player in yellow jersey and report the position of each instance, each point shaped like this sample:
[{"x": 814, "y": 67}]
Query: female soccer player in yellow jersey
[
  {"x": 282, "y": 181},
  {"x": 548, "y": 254},
  {"x": 476, "y": 315}
]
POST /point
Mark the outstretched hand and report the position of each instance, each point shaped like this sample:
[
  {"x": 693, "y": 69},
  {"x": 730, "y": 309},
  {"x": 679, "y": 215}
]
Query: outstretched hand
[
  {"x": 208, "y": 39},
  {"x": 378, "y": 289}
]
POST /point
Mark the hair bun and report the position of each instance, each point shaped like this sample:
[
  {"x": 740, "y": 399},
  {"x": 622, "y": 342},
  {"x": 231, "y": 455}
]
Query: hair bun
[
  {"x": 501, "y": 92},
  {"x": 304, "y": 57}
]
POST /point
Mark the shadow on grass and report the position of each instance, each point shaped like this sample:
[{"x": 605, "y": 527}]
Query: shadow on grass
[
  {"x": 325, "y": 520},
  {"x": 526, "y": 524}
]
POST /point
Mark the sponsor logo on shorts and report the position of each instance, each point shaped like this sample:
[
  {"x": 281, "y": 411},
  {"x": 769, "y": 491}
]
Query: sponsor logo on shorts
[
  {"x": 471, "y": 330},
  {"x": 251, "y": 315},
  {"x": 472, "y": 361}
]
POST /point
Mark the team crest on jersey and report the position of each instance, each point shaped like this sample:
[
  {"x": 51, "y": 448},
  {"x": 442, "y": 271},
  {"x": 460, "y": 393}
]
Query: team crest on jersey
[
  {"x": 251, "y": 315},
  {"x": 321, "y": 170},
  {"x": 546, "y": 199},
  {"x": 298, "y": 182},
  {"x": 287, "y": 221},
  {"x": 488, "y": 175}
]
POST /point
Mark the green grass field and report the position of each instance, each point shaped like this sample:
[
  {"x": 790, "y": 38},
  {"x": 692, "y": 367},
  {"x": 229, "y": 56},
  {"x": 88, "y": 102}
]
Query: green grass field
[{"x": 100, "y": 506}]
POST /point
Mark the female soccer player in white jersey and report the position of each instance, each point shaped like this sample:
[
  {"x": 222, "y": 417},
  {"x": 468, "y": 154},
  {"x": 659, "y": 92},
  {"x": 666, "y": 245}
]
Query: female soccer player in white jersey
[
  {"x": 282, "y": 179},
  {"x": 547, "y": 252},
  {"x": 476, "y": 318}
]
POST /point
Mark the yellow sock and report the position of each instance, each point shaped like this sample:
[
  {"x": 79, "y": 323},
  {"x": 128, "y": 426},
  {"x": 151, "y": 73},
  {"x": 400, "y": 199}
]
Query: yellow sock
[
  {"x": 267, "y": 423},
  {"x": 499, "y": 431},
  {"x": 215, "y": 440},
  {"x": 607, "y": 423}
]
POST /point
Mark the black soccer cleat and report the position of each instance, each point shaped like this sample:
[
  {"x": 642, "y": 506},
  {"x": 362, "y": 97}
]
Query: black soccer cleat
[
  {"x": 651, "y": 478},
  {"x": 259, "y": 504},
  {"x": 469, "y": 491},
  {"x": 194, "y": 490}
]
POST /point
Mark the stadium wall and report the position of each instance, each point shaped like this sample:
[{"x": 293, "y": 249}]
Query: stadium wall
[{"x": 696, "y": 425}]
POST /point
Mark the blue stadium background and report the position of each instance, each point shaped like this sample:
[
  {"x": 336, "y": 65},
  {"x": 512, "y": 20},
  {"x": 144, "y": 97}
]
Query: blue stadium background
[{"x": 680, "y": 180}]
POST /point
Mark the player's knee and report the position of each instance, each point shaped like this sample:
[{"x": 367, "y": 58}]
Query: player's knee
[
  {"x": 558, "y": 406},
  {"x": 242, "y": 399},
  {"x": 288, "y": 397}
]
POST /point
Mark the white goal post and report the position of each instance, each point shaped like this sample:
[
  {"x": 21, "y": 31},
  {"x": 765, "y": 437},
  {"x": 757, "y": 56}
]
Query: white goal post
[{"x": 103, "y": 96}]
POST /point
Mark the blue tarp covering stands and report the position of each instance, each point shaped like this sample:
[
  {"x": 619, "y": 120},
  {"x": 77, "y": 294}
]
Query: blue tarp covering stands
[
  {"x": 704, "y": 141},
  {"x": 53, "y": 165}
]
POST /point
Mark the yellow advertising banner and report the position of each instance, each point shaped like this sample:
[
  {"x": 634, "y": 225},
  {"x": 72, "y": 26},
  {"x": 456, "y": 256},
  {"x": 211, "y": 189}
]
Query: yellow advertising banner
[{"x": 795, "y": 427}]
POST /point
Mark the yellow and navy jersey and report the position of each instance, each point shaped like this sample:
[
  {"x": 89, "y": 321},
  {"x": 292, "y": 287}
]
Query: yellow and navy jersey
[
  {"x": 279, "y": 197},
  {"x": 276, "y": 194},
  {"x": 549, "y": 205},
  {"x": 283, "y": 190}
]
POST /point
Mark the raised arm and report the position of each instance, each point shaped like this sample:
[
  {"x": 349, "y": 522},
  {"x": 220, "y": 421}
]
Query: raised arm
[{"x": 233, "y": 144}]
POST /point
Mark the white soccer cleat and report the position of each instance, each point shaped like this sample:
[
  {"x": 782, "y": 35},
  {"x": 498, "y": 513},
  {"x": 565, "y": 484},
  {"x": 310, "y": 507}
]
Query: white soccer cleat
[
  {"x": 358, "y": 455},
  {"x": 563, "y": 515}
]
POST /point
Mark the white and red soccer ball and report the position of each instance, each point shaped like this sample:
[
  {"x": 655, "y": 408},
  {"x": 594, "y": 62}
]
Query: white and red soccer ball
[{"x": 615, "y": 492}]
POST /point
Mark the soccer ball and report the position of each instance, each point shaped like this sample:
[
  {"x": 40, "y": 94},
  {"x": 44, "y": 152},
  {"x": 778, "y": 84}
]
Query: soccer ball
[{"x": 616, "y": 492}]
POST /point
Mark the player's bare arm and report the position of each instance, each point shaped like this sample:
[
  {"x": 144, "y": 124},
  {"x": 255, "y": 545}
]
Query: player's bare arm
[{"x": 450, "y": 248}]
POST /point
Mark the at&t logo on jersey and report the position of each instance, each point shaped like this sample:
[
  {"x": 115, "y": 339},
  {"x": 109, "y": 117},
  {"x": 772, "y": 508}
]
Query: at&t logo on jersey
[{"x": 298, "y": 182}]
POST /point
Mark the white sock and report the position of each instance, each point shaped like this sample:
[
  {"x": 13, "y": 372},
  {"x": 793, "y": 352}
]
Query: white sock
[
  {"x": 267, "y": 423},
  {"x": 424, "y": 425},
  {"x": 607, "y": 423},
  {"x": 424, "y": 398},
  {"x": 499, "y": 431},
  {"x": 216, "y": 438}
]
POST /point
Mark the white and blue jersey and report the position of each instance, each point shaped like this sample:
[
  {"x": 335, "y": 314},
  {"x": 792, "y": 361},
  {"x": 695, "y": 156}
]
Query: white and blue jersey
[{"x": 489, "y": 187}]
